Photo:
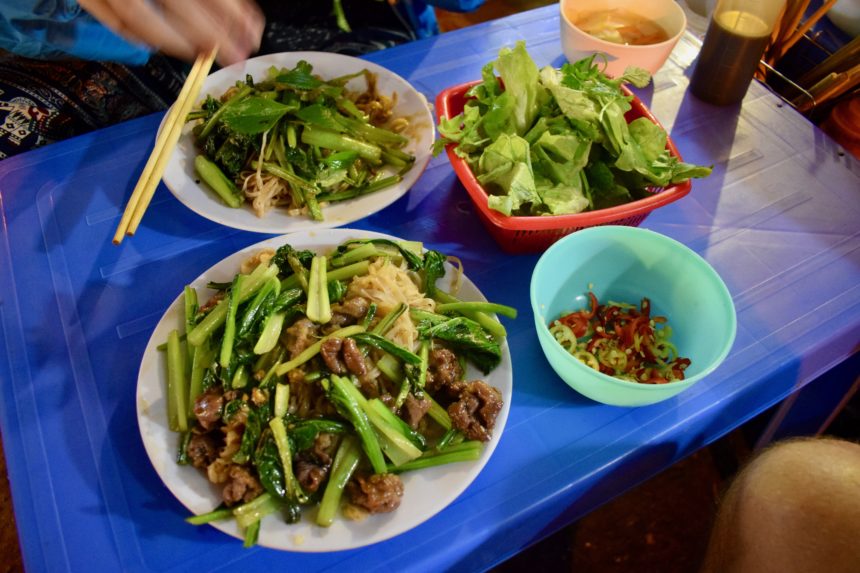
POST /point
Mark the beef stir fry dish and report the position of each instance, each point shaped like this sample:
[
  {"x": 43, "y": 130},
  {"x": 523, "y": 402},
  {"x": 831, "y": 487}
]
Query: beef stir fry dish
[{"x": 315, "y": 380}]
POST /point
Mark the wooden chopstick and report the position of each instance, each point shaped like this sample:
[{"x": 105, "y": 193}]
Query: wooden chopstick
[
  {"x": 839, "y": 61},
  {"x": 803, "y": 28},
  {"x": 790, "y": 20},
  {"x": 164, "y": 144},
  {"x": 831, "y": 86}
]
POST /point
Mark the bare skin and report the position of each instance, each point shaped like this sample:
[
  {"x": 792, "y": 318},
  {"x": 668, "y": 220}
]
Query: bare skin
[
  {"x": 794, "y": 508},
  {"x": 185, "y": 28}
]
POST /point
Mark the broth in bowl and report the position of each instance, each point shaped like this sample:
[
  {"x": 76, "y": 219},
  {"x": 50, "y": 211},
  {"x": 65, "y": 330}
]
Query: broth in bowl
[{"x": 620, "y": 26}]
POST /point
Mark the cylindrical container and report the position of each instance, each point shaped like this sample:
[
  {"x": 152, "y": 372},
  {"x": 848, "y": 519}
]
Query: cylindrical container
[
  {"x": 843, "y": 125},
  {"x": 736, "y": 39}
]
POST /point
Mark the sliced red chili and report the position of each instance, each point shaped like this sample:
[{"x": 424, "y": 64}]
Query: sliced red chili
[
  {"x": 577, "y": 322},
  {"x": 612, "y": 328}
]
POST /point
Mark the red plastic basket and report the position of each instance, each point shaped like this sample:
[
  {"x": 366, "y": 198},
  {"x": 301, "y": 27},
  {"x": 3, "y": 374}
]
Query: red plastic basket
[{"x": 534, "y": 234}]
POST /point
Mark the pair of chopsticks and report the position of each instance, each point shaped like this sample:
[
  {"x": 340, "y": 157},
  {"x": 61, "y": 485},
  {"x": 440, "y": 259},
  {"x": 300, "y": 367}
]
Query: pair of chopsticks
[
  {"x": 164, "y": 144},
  {"x": 791, "y": 27},
  {"x": 830, "y": 87}
]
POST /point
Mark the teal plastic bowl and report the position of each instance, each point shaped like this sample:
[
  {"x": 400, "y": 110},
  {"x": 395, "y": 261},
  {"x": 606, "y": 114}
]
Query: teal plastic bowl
[{"x": 625, "y": 264}]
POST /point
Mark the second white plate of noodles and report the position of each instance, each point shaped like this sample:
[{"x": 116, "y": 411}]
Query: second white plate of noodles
[{"x": 181, "y": 180}]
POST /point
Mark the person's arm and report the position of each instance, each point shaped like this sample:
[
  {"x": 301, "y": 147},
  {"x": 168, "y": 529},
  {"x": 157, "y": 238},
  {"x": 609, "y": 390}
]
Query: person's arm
[{"x": 184, "y": 28}]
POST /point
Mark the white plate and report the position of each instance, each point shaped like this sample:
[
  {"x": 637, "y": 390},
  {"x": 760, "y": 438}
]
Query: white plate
[
  {"x": 180, "y": 178},
  {"x": 426, "y": 492}
]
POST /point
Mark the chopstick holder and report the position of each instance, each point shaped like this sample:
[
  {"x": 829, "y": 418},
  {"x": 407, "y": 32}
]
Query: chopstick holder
[{"x": 164, "y": 145}]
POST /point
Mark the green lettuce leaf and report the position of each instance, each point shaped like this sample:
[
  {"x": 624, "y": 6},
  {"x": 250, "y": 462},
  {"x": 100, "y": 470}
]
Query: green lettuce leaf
[
  {"x": 506, "y": 174},
  {"x": 519, "y": 74}
]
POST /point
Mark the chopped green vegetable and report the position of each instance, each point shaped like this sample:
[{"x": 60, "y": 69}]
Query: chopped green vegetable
[
  {"x": 291, "y": 484},
  {"x": 392, "y": 348},
  {"x": 463, "y": 452},
  {"x": 230, "y": 322},
  {"x": 349, "y": 402},
  {"x": 218, "y": 314},
  {"x": 469, "y": 338},
  {"x": 345, "y": 462},
  {"x": 493, "y": 307},
  {"x": 319, "y": 309},
  {"x": 255, "y": 510},
  {"x": 212, "y": 175},
  {"x": 215, "y": 515},
  {"x": 177, "y": 389}
]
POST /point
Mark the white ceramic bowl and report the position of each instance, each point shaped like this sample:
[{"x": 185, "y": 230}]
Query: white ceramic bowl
[{"x": 577, "y": 44}]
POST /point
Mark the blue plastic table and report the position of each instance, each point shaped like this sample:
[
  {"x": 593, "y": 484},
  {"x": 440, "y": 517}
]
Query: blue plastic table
[{"x": 778, "y": 219}]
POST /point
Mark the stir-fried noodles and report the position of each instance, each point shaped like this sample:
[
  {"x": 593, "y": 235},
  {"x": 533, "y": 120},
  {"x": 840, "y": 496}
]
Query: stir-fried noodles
[{"x": 298, "y": 142}]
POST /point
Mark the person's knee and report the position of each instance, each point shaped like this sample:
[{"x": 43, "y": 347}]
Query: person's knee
[
  {"x": 799, "y": 507},
  {"x": 813, "y": 474}
]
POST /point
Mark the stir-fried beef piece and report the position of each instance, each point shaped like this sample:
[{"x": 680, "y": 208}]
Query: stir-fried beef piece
[
  {"x": 259, "y": 397},
  {"x": 369, "y": 386},
  {"x": 444, "y": 372},
  {"x": 207, "y": 408},
  {"x": 202, "y": 450},
  {"x": 314, "y": 463},
  {"x": 296, "y": 375},
  {"x": 346, "y": 313},
  {"x": 354, "y": 307},
  {"x": 378, "y": 493},
  {"x": 300, "y": 335},
  {"x": 342, "y": 355},
  {"x": 337, "y": 322},
  {"x": 323, "y": 448},
  {"x": 241, "y": 486},
  {"x": 353, "y": 357},
  {"x": 213, "y": 300},
  {"x": 330, "y": 352},
  {"x": 306, "y": 399},
  {"x": 310, "y": 475},
  {"x": 232, "y": 441},
  {"x": 475, "y": 412},
  {"x": 414, "y": 409}
]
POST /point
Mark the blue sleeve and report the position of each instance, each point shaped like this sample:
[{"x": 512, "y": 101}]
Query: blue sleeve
[
  {"x": 60, "y": 28},
  {"x": 422, "y": 18},
  {"x": 457, "y": 5}
]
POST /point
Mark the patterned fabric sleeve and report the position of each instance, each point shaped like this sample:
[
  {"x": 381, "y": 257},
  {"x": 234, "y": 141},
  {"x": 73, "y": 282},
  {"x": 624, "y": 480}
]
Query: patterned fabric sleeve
[{"x": 43, "y": 101}]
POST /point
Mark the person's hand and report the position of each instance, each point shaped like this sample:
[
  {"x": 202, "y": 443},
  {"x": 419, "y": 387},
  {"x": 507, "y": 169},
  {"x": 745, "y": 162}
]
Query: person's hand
[{"x": 185, "y": 28}]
